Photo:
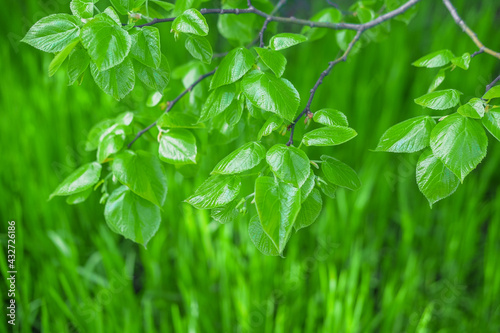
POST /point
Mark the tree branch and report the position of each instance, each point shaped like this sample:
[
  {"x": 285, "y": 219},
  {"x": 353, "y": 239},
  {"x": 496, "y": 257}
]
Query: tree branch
[
  {"x": 171, "y": 105},
  {"x": 331, "y": 64},
  {"x": 468, "y": 31},
  {"x": 492, "y": 84},
  {"x": 293, "y": 20}
]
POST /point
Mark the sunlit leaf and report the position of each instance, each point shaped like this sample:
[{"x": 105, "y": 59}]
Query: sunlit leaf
[
  {"x": 289, "y": 164},
  {"x": 460, "y": 143}
]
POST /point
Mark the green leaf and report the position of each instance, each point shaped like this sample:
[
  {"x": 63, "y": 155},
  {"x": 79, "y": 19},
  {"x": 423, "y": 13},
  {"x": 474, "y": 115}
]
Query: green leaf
[
  {"x": 111, "y": 15},
  {"x": 327, "y": 188},
  {"x": 178, "y": 147},
  {"x": 79, "y": 180},
  {"x": 156, "y": 79},
  {"x": 154, "y": 99},
  {"x": 234, "y": 113},
  {"x": 83, "y": 8},
  {"x": 95, "y": 133},
  {"x": 110, "y": 142},
  {"x": 78, "y": 62},
  {"x": 218, "y": 101},
  {"x": 434, "y": 180},
  {"x": 330, "y": 15},
  {"x": 494, "y": 92},
  {"x": 79, "y": 197},
  {"x": 330, "y": 117},
  {"x": 329, "y": 136},
  {"x": 365, "y": 14},
  {"x": 271, "y": 124},
  {"x": 492, "y": 123},
  {"x": 308, "y": 186},
  {"x": 462, "y": 62},
  {"x": 163, "y": 4},
  {"x": 289, "y": 164},
  {"x": 408, "y": 136},
  {"x": 61, "y": 56},
  {"x": 435, "y": 59},
  {"x": 440, "y": 100},
  {"x": 125, "y": 6},
  {"x": 273, "y": 59},
  {"x": 117, "y": 81},
  {"x": 191, "y": 22},
  {"x": 178, "y": 120},
  {"x": 473, "y": 109},
  {"x": 232, "y": 68},
  {"x": 244, "y": 158},
  {"x": 143, "y": 173},
  {"x": 278, "y": 205},
  {"x": 131, "y": 216},
  {"x": 106, "y": 42},
  {"x": 460, "y": 143},
  {"x": 339, "y": 173},
  {"x": 53, "y": 33},
  {"x": 309, "y": 211},
  {"x": 217, "y": 191},
  {"x": 226, "y": 214},
  {"x": 272, "y": 94},
  {"x": 260, "y": 239},
  {"x": 146, "y": 46},
  {"x": 438, "y": 79},
  {"x": 286, "y": 40},
  {"x": 199, "y": 48}
]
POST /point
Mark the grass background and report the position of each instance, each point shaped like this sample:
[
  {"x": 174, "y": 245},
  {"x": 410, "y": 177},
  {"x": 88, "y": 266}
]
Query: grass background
[{"x": 377, "y": 260}]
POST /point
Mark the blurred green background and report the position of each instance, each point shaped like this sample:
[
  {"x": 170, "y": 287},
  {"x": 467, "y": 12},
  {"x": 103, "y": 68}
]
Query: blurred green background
[{"x": 377, "y": 260}]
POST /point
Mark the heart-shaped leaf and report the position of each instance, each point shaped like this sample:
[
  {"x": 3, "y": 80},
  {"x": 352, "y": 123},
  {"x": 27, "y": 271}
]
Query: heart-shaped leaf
[
  {"x": 191, "y": 22},
  {"x": 106, "y": 42},
  {"x": 53, "y": 33}
]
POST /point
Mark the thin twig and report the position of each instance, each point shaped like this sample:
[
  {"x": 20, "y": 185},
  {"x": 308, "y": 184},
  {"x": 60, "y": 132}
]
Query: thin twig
[
  {"x": 468, "y": 31},
  {"x": 171, "y": 105},
  {"x": 325, "y": 73},
  {"x": 293, "y": 20},
  {"x": 492, "y": 84}
]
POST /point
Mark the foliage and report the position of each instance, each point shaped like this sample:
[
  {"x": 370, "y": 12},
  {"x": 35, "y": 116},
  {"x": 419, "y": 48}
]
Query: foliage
[{"x": 247, "y": 91}]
